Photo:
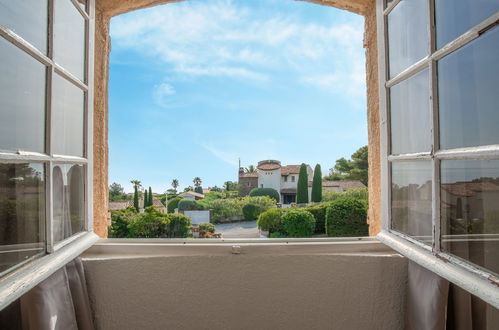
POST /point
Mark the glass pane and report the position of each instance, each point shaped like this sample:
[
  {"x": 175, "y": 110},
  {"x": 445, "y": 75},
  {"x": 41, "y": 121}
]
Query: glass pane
[
  {"x": 82, "y": 4},
  {"x": 67, "y": 118},
  {"x": 407, "y": 34},
  {"x": 69, "y": 38},
  {"x": 410, "y": 115},
  {"x": 456, "y": 17},
  {"x": 22, "y": 100},
  {"x": 22, "y": 212},
  {"x": 69, "y": 202},
  {"x": 470, "y": 210},
  {"x": 469, "y": 95},
  {"x": 15, "y": 15},
  {"x": 411, "y": 199}
]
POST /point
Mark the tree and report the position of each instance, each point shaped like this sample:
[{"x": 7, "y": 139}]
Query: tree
[
  {"x": 230, "y": 186},
  {"x": 136, "y": 198},
  {"x": 317, "y": 184},
  {"x": 137, "y": 184},
  {"x": 150, "y": 203},
  {"x": 146, "y": 199},
  {"x": 250, "y": 169},
  {"x": 116, "y": 192},
  {"x": 354, "y": 169},
  {"x": 302, "y": 188},
  {"x": 189, "y": 188},
  {"x": 197, "y": 181},
  {"x": 175, "y": 184},
  {"x": 198, "y": 189}
]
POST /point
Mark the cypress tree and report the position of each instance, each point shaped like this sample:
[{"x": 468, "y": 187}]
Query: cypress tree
[
  {"x": 136, "y": 199},
  {"x": 150, "y": 197},
  {"x": 317, "y": 184},
  {"x": 146, "y": 199},
  {"x": 302, "y": 188}
]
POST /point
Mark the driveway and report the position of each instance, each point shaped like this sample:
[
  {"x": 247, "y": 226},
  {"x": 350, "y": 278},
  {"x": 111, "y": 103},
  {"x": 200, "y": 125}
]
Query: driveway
[{"x": 245, "y": 229}]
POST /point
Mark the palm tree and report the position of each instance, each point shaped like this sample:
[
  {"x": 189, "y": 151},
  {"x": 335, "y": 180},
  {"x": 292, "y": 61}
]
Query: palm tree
[
  {"x": 175, "y": 184},
  {"x": 250, "y": 169},
  {"x": 136, "y": 183},
  {"x": 197, "y": 181}
]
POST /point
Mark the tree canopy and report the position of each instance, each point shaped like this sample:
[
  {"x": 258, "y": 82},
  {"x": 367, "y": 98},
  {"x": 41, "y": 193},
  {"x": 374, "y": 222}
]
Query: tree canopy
[
  {"x": 353, "y": 169},
  {"x": 302, "y": 188},
  {"x": 317, "y": 184}
]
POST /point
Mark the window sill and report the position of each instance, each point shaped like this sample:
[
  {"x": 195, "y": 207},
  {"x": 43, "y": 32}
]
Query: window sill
[
  {"x": 20, "y": 281},
  {"x": 461, "y": 273}
]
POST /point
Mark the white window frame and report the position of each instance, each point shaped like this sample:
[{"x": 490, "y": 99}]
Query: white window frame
[
  {"x": 465, "y": 274},
  {"x": 25, "y": 275}
]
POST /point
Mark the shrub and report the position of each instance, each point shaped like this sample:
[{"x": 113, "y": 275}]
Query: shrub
[
  {"x": 225, "y": 208},
  {"x": 251, "y": 212},
  {"x": 347, "y": 217},
  {"x": 188, "y": 205},
  {"x": 271, "y": 220},
  {"x": 120, "y": 220},
  {"x": 150, "y": 224},
  {"x": 319, "y": 213},
  {"x": 173, "y": 204},
  {"x": 272, "y": 193},
  {"x": 360, "y": 193},
  {"x": 302, "y": 186},
  {"x": 298, "y": 223},
  {"x": 198, "y": 189},
  {"x": 179, "y": 225},
  {"x": 206, "y": 227}
]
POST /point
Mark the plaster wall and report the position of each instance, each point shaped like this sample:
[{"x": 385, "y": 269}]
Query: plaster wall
[
  {"x": 198, "y": 217},
  {"x": 105, "y": 9},
  {"x": 270, "y": 179},
  {"x": 238, "y": 291}
]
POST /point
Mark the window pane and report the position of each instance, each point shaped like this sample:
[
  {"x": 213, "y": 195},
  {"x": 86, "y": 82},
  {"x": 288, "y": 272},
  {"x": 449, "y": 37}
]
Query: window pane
[
  {"x": 410, "y": 114},
  {"x": 67, "y": 118},
  {"x": 470, "y": 210},
  {"x": 407, "y": 34},
  {"x": 69, "y": 38},
  {"x": 22, "y": 212},
  {"x": 69, "y": 202},
  {"x": 469, "y": 95},
  {"x": 456, "y": 17},
  {"x": 411, "y": 199},
  {"x": 16, "y": 14},
  {"x": 22, "y": 100}
]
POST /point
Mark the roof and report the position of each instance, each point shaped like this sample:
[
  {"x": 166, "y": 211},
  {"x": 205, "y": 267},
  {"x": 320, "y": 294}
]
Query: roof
[
  {"x": 269, "y": 166},
  {"x": 114, "y": 206},
  {"x": 468, "y": 189},
  {"x": 157, "y": 203},
  {"x": 290, "y": 169},
  {"x": 344, "y": 184},
  {"x": 248, "y": 175},
  {"x": 191, "y": 193}
]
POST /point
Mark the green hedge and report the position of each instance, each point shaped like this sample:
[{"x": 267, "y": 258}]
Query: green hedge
[
  {"x": 206, "y": 227},
  {"x": 272, "y": 193},
  {"x": 188, "y": 205},
  {"x": 360, "y": 193},
  {"x": 179, "y": 225},
  {"x": 298, "y": 223},
  {"x": 251, "y": 212},
  {"x": 271, "y": 220},
  {"x": 173, "y": 204},
  {"x": 319, "y": 213},
  {"x": 347, "y": 217},
  {"x": 150, "y": 224}
]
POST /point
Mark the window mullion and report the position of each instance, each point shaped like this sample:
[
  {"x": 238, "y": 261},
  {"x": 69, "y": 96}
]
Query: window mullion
[{"x": 48, "y": 134}]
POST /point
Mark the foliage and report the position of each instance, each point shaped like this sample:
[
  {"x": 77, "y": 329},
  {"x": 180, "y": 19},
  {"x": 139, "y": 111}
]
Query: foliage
[
  {"x": 347, "y": 217},
  {"x": 188, "y": 188},
  {"x": 263, "y": 202},
  {"x": 272, "y": 193},
  {"x": 317, "y": 184},
  {"x": 302, "y": 187},
  {"x": 146, "y": 199},
  {"x": 206, "y": 227},
  {"x": 150, "y": 224},
  {"x": 251, "y": 212},
  {"x": 179, "y": 225},
  {"x": 298, "y": 223},
  {"x": 361, "y": 194},
  {"x": 188, "y": 205},
  {"x": 230, "y": 186},
  {"x": 150, "y": 202},
  {"x": 120, "y": 219},
  {"x": 224, "y": 208},
  {"x": 277, "y": 235},
  {"x": 250, "y": 169},
  {"x": 197, "y": 181},
  {"x": 319, "y": 213},
  {"x": 116, "y": 192},
  {"x": 271, "y": 220},
  {"x": 173, "y": 204},
  {"x": 198, "y": 189},
  {"x": 175, "y": 184},
  {"x": 354, "y": 169},
  {"x": 136, "y": 198}
]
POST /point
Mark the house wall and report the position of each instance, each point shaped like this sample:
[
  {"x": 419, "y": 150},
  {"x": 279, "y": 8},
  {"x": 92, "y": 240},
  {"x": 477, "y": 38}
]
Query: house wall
[
  {"x": 105, "y": 9},
  {"x": 270, "y": 179}
]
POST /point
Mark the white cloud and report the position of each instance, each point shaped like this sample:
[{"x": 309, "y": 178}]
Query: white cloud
[
  {"x": 161, "y": 94},
  {"x": 225, "y": 156}
]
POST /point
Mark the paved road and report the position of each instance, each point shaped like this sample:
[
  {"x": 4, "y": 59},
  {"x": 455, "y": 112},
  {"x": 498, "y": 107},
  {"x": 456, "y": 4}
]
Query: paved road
[{"x": 245, "y": 229}]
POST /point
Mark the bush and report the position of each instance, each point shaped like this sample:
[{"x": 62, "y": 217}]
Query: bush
[
  {"x": 188, "y": 205},
  {"x": 206, "y": 227},
  {"x": 251, "y": 212},
  {"x": 120, "y": 220},
  {"x": 198, "y": 189},
  {"x": 271, "y": 220},
  {"x": 179, "y": 225},
  {"x": 298, "y": 223},
  {"x": 272, "y": 193},
  {"x": 150, "y": 224},
  {"x": 319, "y": 213},
  {"x": 347, "y": 217},
  {"x": 360, "y": 193},
  {"x": 256, "y": 205},
  {"x": 173, "y": 204},
  {"x": 225, "y": 208}
]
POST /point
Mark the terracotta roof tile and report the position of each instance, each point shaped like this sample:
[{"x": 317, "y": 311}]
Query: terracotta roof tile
[
  {"x": 290, "y": 169},
  {"x": 344, "y": 184},
  {"x": 268, "y": 166}
]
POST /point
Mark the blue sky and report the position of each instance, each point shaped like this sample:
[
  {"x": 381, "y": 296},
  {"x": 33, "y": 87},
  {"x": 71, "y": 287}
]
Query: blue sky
[{"x": 196, "y": 85}]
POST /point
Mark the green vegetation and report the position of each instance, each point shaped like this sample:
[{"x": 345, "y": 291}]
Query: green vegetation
[
  {"x": 146, "y": 199},
  {"x": 136, "y": 198},
  {"x": 188, "y": 205},
  {"x": 150, "y": 202},
  {"x": 116, "y": 193},
  {"x": 173, "y": 204},
  {"x": 298, "y": 223},
  {"x": 361, "y": 194},
  {"x": 251, "y": 212},
  {"x": 206, "y": 228},
  {"x": 347, "y": 217},
  {"x": 354, "y": 169},
  {"x": 198, "y": 189},
  {"x": 271, "y": 220},
  {"x": 317, "y": 185},
  {"x": 302, "y": 187},
  {"x": 227, "y": 208},
  {"x": 272, "y": 193},
  {"x": 319, "y": 213}
]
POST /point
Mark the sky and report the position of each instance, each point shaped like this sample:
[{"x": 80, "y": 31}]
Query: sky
[{"x": 197, "y": 85}]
